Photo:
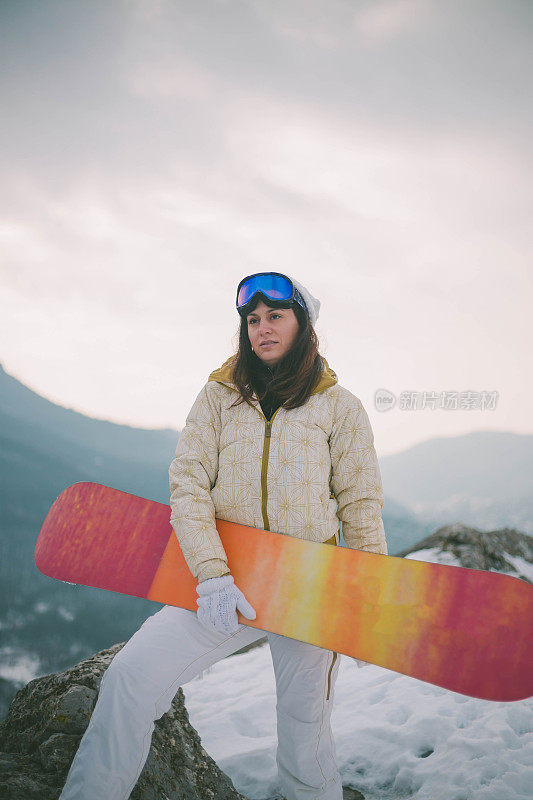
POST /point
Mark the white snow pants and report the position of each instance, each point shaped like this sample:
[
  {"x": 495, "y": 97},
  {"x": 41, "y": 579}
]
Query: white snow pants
[{"x": 171, "y": 648}]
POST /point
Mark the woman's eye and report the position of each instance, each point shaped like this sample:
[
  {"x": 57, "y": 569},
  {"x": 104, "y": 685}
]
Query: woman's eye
[{"x": 272, "y": 316}]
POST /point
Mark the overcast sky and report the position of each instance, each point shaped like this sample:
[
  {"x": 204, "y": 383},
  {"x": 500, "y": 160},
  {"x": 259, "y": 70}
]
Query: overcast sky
[{"x": 153, "y": 153}]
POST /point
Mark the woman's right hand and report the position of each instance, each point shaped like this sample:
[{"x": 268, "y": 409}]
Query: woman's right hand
[{"x": 218, "y": 602}]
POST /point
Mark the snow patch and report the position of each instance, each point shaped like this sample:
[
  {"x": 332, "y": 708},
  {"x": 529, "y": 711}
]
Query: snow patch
[
  {"x": 435, "y": 556},
  {"x": 396, "y": 737},
  {"x": 521, "y": 566}
]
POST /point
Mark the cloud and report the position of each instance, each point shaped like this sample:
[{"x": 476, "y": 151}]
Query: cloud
[
  {"x": 384, "y": 20},
  {"x": 171, "y": 78},
  {"x": 153, "y": 153}
]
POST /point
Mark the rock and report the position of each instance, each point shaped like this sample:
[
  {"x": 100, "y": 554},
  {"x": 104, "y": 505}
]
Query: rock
[
  {"x": 74, "y": 709},
  {"x": 46, "y": 720},
  {"x": 351, "y": 794},
  {"x": 490, "y": 550},
  {"x": 58, "y": 751}
]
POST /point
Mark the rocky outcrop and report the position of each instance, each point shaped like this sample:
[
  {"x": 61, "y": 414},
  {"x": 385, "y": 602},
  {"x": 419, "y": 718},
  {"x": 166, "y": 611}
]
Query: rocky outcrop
[
  {"x": 501, "y": 550},
  {"x": 47, "y": 718}
]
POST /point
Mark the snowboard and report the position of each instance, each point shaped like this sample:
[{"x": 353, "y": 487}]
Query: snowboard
[{"x": 465, "y": 630}]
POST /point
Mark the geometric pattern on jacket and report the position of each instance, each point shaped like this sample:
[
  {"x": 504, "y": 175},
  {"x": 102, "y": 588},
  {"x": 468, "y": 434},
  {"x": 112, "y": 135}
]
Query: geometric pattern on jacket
[{"x": 321, "y": 469}]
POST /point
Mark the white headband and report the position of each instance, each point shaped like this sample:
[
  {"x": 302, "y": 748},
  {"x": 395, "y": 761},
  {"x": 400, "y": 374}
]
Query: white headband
[{"x": 313, "y": 305}]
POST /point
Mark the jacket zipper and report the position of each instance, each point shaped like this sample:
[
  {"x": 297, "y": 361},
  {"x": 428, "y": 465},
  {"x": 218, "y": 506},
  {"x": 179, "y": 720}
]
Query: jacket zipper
[
  {"x": 329, "y": 674},
  {"x": 264, "y": 466}
]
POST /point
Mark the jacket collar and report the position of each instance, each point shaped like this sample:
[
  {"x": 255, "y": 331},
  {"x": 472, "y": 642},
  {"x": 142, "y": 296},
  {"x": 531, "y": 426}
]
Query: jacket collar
[{"x": 224, "y": 375}]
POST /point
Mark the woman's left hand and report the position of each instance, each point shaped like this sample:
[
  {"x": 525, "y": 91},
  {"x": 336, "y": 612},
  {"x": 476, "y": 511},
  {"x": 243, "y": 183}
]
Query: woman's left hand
[{"x": 218, "y": 602}]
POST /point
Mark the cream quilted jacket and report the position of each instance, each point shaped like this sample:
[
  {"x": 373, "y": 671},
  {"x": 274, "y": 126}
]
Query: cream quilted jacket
[{"x": 300, "y": 473}]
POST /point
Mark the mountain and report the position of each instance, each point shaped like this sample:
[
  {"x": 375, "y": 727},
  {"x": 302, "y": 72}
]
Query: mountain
[
  {"x": 482, "y": 479},
  {"x": 44, "y": 448},
  {"x": 35, "y": 427},
  {"x": 402, "y": 526}
]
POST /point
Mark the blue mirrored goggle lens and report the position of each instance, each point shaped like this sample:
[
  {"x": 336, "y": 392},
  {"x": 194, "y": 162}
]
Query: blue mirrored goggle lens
[{"x": 275, "y": 287}]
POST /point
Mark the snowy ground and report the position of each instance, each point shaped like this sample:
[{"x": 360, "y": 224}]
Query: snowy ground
[{"x": 396, "y": 737}]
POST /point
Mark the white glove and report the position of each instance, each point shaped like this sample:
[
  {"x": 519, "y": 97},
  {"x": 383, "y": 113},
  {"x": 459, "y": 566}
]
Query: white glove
[{"x": 217, "y": 603}]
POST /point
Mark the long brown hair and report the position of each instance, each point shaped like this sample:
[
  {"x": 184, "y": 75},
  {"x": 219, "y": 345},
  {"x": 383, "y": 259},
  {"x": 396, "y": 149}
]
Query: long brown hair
[{"x": 293, "y": 378}]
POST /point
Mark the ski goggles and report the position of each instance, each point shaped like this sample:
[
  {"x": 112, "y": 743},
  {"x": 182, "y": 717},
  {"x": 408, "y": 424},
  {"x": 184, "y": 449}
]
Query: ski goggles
[{"x": 275, "y": 288}]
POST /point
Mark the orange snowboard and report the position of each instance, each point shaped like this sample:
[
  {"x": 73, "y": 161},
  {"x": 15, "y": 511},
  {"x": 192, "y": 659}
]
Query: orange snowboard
[{"x": 462, "y": 629}]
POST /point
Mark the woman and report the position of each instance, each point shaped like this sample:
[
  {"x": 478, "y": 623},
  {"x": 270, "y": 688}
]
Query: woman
[{"x": 272, "y": 441}]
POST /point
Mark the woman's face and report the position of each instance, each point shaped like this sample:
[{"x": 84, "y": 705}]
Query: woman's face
[{"x": 272, "y": 332}]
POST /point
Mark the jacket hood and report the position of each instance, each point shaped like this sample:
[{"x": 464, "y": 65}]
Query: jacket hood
[{"x": 224, "y": 375}]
